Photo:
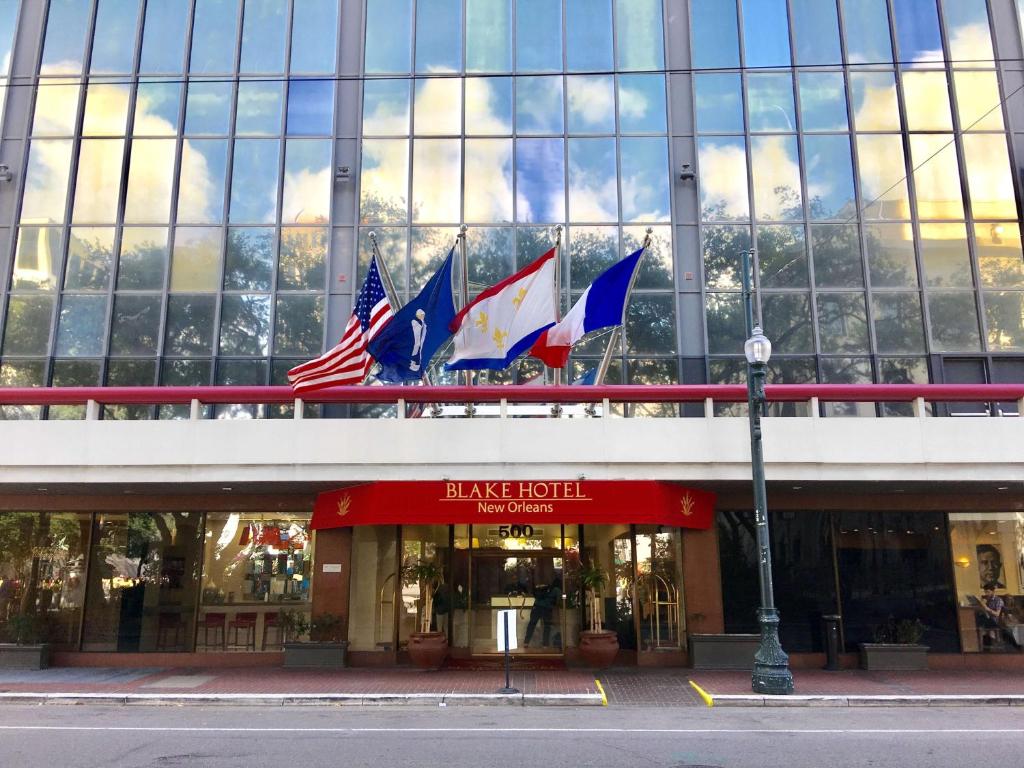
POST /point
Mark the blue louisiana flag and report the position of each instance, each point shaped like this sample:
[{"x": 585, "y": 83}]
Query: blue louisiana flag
[
  {"x": 406, "y": 345},
  {"x": 589, "y": 378}
]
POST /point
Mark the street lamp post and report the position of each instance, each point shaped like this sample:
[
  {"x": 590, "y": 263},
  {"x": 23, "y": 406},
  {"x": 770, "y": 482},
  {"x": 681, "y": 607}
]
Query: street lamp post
[{"x": 771, "y": 664}]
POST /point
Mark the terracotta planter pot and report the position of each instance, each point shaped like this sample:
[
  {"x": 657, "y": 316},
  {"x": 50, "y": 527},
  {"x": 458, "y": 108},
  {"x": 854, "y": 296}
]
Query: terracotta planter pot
[
  {"x": 598, "y": 649},
  {"x": 428, "y": 650}
]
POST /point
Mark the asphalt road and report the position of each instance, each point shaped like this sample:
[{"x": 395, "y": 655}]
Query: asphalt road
[{"x": 454, "y": 737}]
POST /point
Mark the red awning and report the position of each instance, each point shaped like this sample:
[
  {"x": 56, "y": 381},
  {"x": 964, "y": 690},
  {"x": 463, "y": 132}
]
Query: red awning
[{"x": 592, "y": 502}]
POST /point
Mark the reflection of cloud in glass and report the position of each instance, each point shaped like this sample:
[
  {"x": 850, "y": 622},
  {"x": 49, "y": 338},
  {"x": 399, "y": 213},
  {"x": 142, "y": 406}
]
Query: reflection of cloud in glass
[
  {"x": 592, "y": 187},
  {"x": 723, "y": 179},
  {"x": 591, "y": 103},
  {"x": 540, "y": 180},
  {"x": 776, "y": 175},
  {"x": 307, "y": 182},
  {"x": 488, "y": 195}
]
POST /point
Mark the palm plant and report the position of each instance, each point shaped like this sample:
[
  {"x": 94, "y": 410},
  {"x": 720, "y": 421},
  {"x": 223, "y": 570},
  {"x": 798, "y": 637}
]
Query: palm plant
[
  {"x": 429, "y": 576},
  {"x": 592, "y": 578}
]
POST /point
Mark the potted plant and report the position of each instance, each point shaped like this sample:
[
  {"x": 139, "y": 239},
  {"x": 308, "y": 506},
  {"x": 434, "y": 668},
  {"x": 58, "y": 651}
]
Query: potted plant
[
  {"x": 427, "y": 648},
  {"x": 324, "y": 646},
  {"x": 598, "y": 646},
  {"x": 896, "y": 646},
  {"x": 26, "y": 651}
]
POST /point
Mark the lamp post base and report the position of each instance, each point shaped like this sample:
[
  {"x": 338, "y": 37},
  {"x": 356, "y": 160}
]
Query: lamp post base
[{"x": 771, "y": 664}]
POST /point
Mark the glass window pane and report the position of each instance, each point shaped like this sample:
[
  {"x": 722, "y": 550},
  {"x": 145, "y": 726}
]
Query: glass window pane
[
  {"x": 723, "y": 179},
  {"x": 307, "y": 182},
  {"x": 64, "y": 47},
  {"x": 978, "y": 101},
  {"x": 954, "y": 322},
  {"x": 254, "y": 181},
  {"x": 8, "y": 20},
  {"x": 890, "y": 252},
  {"x": 136, "y": 324},
  {"x": 56, "y": 108},
  {"x": 250, "y": 259},
  {"x": 150, "y": 173},
  {"x": 214, "y": 30},
  {"x": 1004, "y": 314},
  {"x": 1000, "y": 261},
  {"x": 241, "y": 373},
  {"x": 46, "y": 182},
  {"x": 540, "y": 180},
  {"x": 816, "y": 30},
  {"x": 917, "y": 31},
  {"x": 538, "y": 36},
  {"x": 488, "y": 195},
  {"x": 132, "y": 373},
  {"x": 656, "y": 269},
  {"x": 782, "y": 256},
  {"x": 113, "y": 49},
  {"x": 591, "y": 100},
  {"x": 106, "y": 109},
  {"x": 642, "y": 106},
  {"x": 81, "y": 325},
  {"x": 927, "y": 98},
  {"x": 882, "y": 177},
  {"x": 491, "y": 253},
  {"x": 73, "y": 373},
  {"x": 726, "y": 329},
  {"x": 208, "y": 109},
  {"x": 898, "y": 323},
  {"x": 488, "y": 35},
  {"x": 641, "y": 39},
  {"x": 776, "y": 171},
  {"x": 438, "y": 38},
  {"x": 592, "y": 193},
  {"x": 823, "y": 101},
  {"x": 299, "y": 325},
  {"x": 439, "y": 107},
  {"x": 156, "y": 109},
  {"x": 719, "y": 103},
  {"x": 386, "y": 108},
  {"x": 259, "y": 108},
  {"x": 314, "y": 36},
  {"x": 967, "y": 29},
  {"x": 714, "y": 33},
  {"x": 27, "y": 330},
  {"x": 539, "y": 105},
  {"x": 385, "y": 181},
  {"x": 651, "y": 324},
  {"x": 90, "y": 256},
  {"x": 936, "y": 176},
  {"x": 591, "y": 251},
  {"x": 722, "y": 246},
  {"x": 944, "y": 256},
  {"x": 99, "y": 181},
  {"x": 436, "y": 167},
  {"x": 143, "y": 261},
  {"x": 770, "y": 102},
  {"x": 829, "y": 177},
  {"x": 488, "y": 106},
  {"x": 163, "y": 38},
  {"x": 988, "y": 176},
  {"x": 303, "y": 263},
  {"x": 389, "y": 26},
  {"x": 766, "y": 33},
  {"x": 645, "y": 179},
  {"x": 37, "y": 259},
  {"x": 874, "y": 101},
  {"x": 842, "y": 323},
  {"x": 245, "y": 325},
  {"x": 787, "y": 316},
  {"x": 195, "y": 264},
  {"x": 189, "y": 325},
  {"x": 867, "y": 31},
  {"x": 201, "y": 186},
  {"x": 264, "y": 27},
  {"x": 588, "y": 27},
  {"x": 837, "y": 262}
]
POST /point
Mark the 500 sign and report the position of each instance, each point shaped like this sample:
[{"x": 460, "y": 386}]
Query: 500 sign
[{"x": 515, "y": 531}]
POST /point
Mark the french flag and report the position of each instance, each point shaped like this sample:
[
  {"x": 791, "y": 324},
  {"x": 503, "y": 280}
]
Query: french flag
[{"x": 603, "y": 304}]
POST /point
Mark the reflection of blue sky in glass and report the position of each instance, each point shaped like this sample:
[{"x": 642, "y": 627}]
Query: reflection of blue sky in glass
[
  {"x": 388, "y": 35},
  {"x": 259, "y": 108},
  {"x": 488, "y": 105},
  {"x": 540, "y": 180},
  {"x": 593, "y": 196},
  {"x": 314, "y": 36},
  {"x": 588, "y": 26},
  {"x": 310, "y": 107},
  {"x": 438, "y": 38},
  {"x": 642, "y": 104},
  {"x": 307, "y": 181},
  {"x": 816, "y": 29},
  {"x": 719, "y": 104},
  {"x": 823, "y": 101},
  {"x": 829, "y": 177},
  {"x": 766, "y": 33},
  {"x": 539, "y": 105},
  {"x": 591, "y": 101},
  {"x": 8, "y": 18},
  {"x": 538, "y": 36},
  {"x": 264, "y": 26},
  {"x": 867, "y": 31},
  {"x": 488, "y": 35},
  {"x": 641, "y": 38},
  {"x": 716, "y": 41},
  {"x": 163, "y": 41},
  {"x": 917, "y": 30},
  {"x": 386, "y": 107},
  {"x": 254, "y": 181},
  {"x": 156, "y": 111},
  {"x": 82, "y": 321},
  {"x": 64, "y": 46},
  {"x": 968, "y": 31},
  {"x": 215, "y": 24},
  {"x": 770, "y": 102},
  {"x": 115, "y": 23},
  {"x": 488, "y": 189},
  {"x": 201, "y": 187},
  {"x": 645, "y": 187},
  {"x": 208, "y": 109}
]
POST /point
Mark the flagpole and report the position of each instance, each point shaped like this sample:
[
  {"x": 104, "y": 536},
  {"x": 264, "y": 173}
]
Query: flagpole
[
  {"x": 557, "y": 372},
  {"x": 616, "y": 332},
  {"x": 464, "y": 295}
]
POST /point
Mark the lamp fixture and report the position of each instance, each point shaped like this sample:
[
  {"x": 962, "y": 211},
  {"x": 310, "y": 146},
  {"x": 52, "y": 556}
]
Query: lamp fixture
[
  {"x": 343, "y": 173},
  {"x": 757, "y": 348},
  {"x": 5, "y": 173},
  {"x": 687, "y": 173}
]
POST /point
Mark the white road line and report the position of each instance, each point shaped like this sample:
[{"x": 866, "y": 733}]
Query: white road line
[{"x": 809, "y": 731}]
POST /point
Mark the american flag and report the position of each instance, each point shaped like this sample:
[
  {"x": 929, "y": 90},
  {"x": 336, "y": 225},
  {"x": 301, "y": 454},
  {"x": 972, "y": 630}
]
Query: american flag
[{"x": 349, "y": 361}]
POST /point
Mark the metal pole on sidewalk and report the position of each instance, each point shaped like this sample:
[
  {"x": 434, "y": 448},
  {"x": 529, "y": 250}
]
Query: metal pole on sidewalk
[{"x": 508, "y": 670}]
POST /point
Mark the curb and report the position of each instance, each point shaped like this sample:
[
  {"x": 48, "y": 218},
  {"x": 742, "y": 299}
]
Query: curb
[
  {"x": 936, "y": 700},
  {"x": 314, "y": 699}
]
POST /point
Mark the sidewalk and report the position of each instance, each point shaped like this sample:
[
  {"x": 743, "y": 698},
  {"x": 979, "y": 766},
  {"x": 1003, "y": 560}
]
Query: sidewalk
[{"x": 616, "y": 687}]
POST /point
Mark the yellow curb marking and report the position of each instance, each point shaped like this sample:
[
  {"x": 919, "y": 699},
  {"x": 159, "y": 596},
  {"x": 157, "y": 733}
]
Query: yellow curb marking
[
  {"x": 604, "y": 697},
  {"x": 703, "y": 694}
]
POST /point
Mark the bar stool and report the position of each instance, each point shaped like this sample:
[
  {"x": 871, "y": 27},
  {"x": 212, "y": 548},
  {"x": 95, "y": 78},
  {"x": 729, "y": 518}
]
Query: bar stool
[
  {"x": 247, "y": 622},
  {"x": 216, "y": 622},
  {"x": 271, "y": 621},
  {"x": 169, "y": 624}
]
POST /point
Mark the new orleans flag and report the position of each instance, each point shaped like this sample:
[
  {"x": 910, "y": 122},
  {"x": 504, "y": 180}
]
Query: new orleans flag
[{"x": 504, "y": 321}]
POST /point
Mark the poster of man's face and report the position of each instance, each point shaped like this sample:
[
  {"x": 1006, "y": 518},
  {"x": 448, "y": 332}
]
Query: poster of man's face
[{"x": 990, "y": 566}]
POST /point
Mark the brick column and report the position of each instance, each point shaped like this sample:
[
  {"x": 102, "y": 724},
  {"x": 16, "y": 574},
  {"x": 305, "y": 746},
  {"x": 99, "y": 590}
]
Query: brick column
[
  {"x": 330, "y": 590},
  {"x": 702, "y": 582}
]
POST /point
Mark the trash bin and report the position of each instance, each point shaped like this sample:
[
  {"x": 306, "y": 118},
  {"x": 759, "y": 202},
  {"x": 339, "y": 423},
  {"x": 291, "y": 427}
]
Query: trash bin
[{"x": 830, "y": 626}]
